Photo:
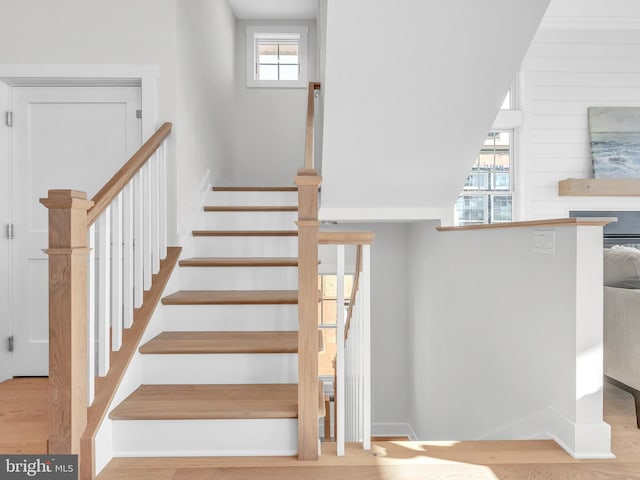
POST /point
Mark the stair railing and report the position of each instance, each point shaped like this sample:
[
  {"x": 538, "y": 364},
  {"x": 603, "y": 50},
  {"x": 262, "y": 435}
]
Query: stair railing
[
  {"x": 308, "y": 182},
  {"x": 353, "y": 390},
  {"x": 103, "y": 253},
  {"x": 309, "y": 144},
  {"x": 352, "y": 394}
]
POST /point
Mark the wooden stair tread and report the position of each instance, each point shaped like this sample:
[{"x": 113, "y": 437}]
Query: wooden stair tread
[
  {"x": 232, "y": 297},
  {"x": 251, "y": 208},
  {"x": 225, "y": 342},
  {"x": 240, "y": 262},
  {"x": 245, "y": 233},
  {"x": 191, "y": 402},
  {"x": 254, "y": 189}
]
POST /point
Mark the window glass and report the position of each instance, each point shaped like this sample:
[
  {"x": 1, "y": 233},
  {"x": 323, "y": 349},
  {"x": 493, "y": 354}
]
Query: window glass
[
  {"x": 487, "y": 192},
  {"x": 327, "y": 316},
  {"x": 277, "y": 61},
  {"x": 277, "y": 56}
]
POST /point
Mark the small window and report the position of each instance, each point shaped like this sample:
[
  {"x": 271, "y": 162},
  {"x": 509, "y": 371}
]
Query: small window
[
  {"x": 276, "y": 56},
  {"x": 488, "y": 191}
]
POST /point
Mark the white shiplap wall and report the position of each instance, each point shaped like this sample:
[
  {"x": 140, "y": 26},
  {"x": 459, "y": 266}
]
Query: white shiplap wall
[{"x": 565, "y": 71}]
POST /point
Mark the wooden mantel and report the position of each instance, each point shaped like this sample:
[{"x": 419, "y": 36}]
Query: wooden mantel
[{"x": 599, "y": 187}]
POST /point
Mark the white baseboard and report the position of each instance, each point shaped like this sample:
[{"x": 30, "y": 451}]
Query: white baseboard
[
  {"x": 580, "y": 440},
  {"x": 393, "y": 430}
]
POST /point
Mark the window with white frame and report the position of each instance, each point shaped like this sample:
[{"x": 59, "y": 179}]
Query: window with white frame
[
  {"x": 276, "y": 56},
  {"x": 488, "y": 191}
]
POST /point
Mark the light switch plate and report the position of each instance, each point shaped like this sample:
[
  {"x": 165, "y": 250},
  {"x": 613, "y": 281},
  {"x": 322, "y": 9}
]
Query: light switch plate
[{"x": 544, "y": 241}]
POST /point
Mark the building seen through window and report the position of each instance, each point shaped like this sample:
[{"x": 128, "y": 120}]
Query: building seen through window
[
  {"x": 327, "y": 315},
  {"x": 487, "y": 193},
  {"x": 277, "y": 61}
]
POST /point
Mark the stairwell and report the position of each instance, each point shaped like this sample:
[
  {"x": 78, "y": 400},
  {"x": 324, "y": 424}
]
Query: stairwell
[{"x": 221, "y": 378}]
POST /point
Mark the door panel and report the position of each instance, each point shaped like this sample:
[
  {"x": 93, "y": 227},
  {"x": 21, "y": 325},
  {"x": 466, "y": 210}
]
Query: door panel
[{"x": 63, "y": 138}]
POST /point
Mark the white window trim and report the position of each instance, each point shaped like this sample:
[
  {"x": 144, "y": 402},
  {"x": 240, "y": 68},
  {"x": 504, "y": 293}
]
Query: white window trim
[{"x": 303, "y": 56}]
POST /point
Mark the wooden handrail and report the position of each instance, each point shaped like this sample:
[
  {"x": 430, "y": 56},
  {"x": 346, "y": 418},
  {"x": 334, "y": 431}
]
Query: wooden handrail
[
  {"x": 309, "y": 144},
  {"x": 552, "y": 222},
  {"x": 345, "y": 238},
  {"x": 354, "y": 290},
  {"x": 114, "y": 186}
]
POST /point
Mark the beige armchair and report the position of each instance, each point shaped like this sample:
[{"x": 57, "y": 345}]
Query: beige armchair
[{"x": 622, "y": 320}]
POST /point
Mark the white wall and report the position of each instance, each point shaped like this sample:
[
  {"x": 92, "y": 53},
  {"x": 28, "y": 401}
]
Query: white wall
[
  {"x": 390, "y": 340},
  {"x": 507, "y": 343},
  {"x": 411, "y": 90},
  {"x": 586, "y": 54},
  {"x": 95, "y": 32},
  {"x": 269, "y": 122},
  {"x": 206, "y": 88}
]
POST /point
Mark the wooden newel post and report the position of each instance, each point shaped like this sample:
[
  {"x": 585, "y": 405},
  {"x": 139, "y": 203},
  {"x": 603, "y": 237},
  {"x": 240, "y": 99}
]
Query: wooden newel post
[
  {"x": 68, "y": 255},
  {"x": 308, "y": 395}
]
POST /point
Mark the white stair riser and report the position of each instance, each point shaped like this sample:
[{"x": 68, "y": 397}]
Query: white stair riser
[
  {"x": 238, "y": 278},
  {"x": 252, "y": 198},
  {"x": 230, "y": 317},
  {"x": 250, "y": 220},
  {"x": 246, "y": 437},
  {"x": 245, "y": 246},
  {"x": 219, "y": 368}
]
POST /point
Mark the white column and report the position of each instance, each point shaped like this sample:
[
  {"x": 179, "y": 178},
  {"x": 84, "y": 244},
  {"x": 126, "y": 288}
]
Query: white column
[{"x": 340, "y": 396}]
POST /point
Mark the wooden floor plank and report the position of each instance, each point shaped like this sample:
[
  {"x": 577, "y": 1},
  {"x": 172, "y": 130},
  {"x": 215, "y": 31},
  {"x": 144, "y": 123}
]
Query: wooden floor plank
[
  {"x": 180, "y": 402},
  {"x": 240, "y": 262},
  {"x": 250, "y": 208},
  {"x": 232, "y": 297},
  {"x": 24, "y": 415}
]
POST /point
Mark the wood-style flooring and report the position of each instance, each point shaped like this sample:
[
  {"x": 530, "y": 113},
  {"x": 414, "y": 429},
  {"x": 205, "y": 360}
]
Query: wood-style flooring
[
  {"x": 24, "y": 416},
  {"x": 23, "y": 425}
]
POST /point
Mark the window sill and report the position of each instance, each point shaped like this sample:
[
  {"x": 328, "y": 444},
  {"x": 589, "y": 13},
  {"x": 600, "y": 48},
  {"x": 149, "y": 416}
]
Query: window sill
[{"x": 276, "y": 84}]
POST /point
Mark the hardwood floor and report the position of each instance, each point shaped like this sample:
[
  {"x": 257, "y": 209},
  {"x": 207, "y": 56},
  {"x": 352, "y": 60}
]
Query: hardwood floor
[
  {"x": 24, "y": 416},
  {"x": 23, "y": 425},
  {"x": 508, "y": 460}
]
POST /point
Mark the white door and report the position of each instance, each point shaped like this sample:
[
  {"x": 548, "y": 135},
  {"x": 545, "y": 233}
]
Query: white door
[{"x": 62, "y": 138}]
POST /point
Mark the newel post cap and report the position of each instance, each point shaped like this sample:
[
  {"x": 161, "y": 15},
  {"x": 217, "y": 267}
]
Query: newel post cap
[{"x": 66, "y": 199}]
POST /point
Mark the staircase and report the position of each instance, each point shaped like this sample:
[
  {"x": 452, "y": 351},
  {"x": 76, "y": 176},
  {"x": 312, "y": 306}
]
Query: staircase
[{"x": 221, "y": 378}]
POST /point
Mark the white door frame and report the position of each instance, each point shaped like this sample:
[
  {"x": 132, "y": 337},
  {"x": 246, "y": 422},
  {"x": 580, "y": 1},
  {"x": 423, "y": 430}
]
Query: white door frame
[
  {"x": 6, "y": 256},
  {"x": 144, "y": 76}
]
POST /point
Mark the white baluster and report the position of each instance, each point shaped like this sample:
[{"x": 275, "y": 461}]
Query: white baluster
[
  {"x": 127, "y": 254},
  {"x": 146, "y": 219},
  {"x": 155, "y": 213},
  {"x": 104, "y": 292},
  {"x": 163, "y": 200},
  {"x": 340, "y": 396},
  {"x": 116, "y": 273},
  {"x": 366, "y": 326},
  {"x": 138, "y": 229},
  {"x": 91, "y": 316}
]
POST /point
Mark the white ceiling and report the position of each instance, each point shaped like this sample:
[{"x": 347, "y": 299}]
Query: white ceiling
[{"x": 274, "y": 9}]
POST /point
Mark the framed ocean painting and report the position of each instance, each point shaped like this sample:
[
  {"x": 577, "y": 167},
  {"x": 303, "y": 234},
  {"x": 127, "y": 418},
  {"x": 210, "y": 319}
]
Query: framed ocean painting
[{"x": 615, "y": 141}]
